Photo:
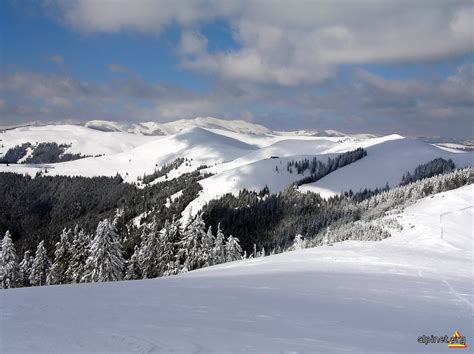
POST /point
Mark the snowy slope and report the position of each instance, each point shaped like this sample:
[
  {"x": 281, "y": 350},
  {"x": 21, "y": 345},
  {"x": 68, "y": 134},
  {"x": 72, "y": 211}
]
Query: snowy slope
[
  {"x": 387, "y": 160},
  {"x": 354, "y": 296},
  {"x": 202, "y": 146},
  {"x": 134, "y": 154},
  {"x": 385, "y": 163},
  {"x": 83, "y": 140},
  {"x": 252, "y": 176}
]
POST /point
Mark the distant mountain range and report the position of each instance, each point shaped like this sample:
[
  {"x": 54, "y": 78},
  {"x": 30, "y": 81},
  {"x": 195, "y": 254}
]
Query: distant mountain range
[{"x": 157, "y": 129}]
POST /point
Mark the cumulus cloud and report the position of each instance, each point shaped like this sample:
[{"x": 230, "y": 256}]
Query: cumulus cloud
[
  {"x": 150, "y": 16},
  {"x": 291, "y": 43}
]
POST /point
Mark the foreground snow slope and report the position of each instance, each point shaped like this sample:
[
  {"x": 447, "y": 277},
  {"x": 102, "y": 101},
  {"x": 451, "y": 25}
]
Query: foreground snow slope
[{"x": 355, "y": 296}]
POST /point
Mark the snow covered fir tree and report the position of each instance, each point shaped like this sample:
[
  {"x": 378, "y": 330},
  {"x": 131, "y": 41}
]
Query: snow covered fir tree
[
  {"x": 105, "y": 261},
  {"x": 8, "y": 264},
  {"x": 80, "y": 258},
  {"x": 40, "y": 266}
]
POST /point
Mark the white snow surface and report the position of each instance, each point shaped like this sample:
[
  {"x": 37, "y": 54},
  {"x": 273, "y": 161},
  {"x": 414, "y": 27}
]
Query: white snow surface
[
  {"x": 202, "y": 146},
  {"x": 353, "y": 297},
  {"x": 385, "y": 163},
  {"x": 82, "y": 140}
]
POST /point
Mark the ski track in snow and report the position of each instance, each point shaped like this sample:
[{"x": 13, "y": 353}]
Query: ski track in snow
[{"x": 354, "y": 296}]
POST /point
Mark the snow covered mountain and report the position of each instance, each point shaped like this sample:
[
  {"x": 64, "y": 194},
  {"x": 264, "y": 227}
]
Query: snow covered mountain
[
  {"x": 153, "y": 128},
  {"x": 234, "y": 126},
  {"x": 385, "y": 163},
  {"x": 239, "y": 154},
  {"x": 355, "y": 296}
]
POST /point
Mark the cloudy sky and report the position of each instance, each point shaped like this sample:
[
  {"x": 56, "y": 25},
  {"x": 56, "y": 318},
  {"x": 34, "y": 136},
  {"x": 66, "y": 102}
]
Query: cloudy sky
[{"x": 355, "y": 66}]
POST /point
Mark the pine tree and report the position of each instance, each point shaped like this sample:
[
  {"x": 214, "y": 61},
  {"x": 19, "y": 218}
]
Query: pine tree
[
  {"x": 150, "y": 251},
  {"x": 133, "y": 271},
  {"x": 191, "y": 244},
  {"x": 105, "y": 262},
  {"x": 219, "y": 247},
  {"x": 8, "y": 263},
  {"x": 208, "y": 244},
  {"x": 40, "y": 266},
  {"x": 233, "y": 250},
  {"x": 79, "y": 254},
  {"x": 298, "y": 243},
  {"x": 175, "y": 239},
  {"x": 167, "y": 256},
  {"x": 62, "y": 257},
  {"x": 25, "y": 269}
]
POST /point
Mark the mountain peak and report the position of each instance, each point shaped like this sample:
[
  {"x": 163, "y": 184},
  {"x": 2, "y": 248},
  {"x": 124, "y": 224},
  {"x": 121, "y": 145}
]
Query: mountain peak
[{"x": 155, "y": 128}]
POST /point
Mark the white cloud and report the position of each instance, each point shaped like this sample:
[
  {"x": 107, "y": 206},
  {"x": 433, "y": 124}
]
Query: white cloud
[
  {"x": 192, "y": 43},
  {"x": 291, "y": 42},
  {"x": 149, "y": 16},
  {"x": 366, "y": 103},
  {"x": 184, "y": 108}
]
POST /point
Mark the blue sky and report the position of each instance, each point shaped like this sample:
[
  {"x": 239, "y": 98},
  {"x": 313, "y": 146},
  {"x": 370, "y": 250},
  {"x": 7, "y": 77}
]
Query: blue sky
[{"x": 372, "y": 67}]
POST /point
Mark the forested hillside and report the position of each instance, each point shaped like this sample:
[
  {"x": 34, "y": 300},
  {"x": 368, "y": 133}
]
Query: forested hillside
[
  {"x": 39, "y": 153},
  {"x": 100, "y": 229},
  {"x": 273, "y": 220},
  {"x": 35, "y": 209}
]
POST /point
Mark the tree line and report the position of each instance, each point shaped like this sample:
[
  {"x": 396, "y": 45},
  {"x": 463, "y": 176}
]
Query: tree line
[
  {"x": 318, "y": 169},
  {"x": 40, "y": 153},
  {"x": 162, "y": 171},
  {"x": 272, "y": 220},
  {"x": 80, "y": 257},
  {"x": 35, "y": 209}
]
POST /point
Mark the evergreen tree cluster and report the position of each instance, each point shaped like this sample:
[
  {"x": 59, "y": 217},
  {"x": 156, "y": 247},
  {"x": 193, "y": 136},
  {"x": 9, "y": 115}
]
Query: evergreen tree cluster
[
  {"x": 273, "y": 221},
  {"x": 80, "y": 257},
  {"x": 360, "y": 231},
  {"x": 318, "y": 169},
  {"x": 16, "y": 153},
  {"x": 39, "y": 208},
  {"x": 396, "y": 199},
  {"x": 163, "y": 171},
  {"x": 435, "y": 167},
  {"x": 40, "y": 153}
]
